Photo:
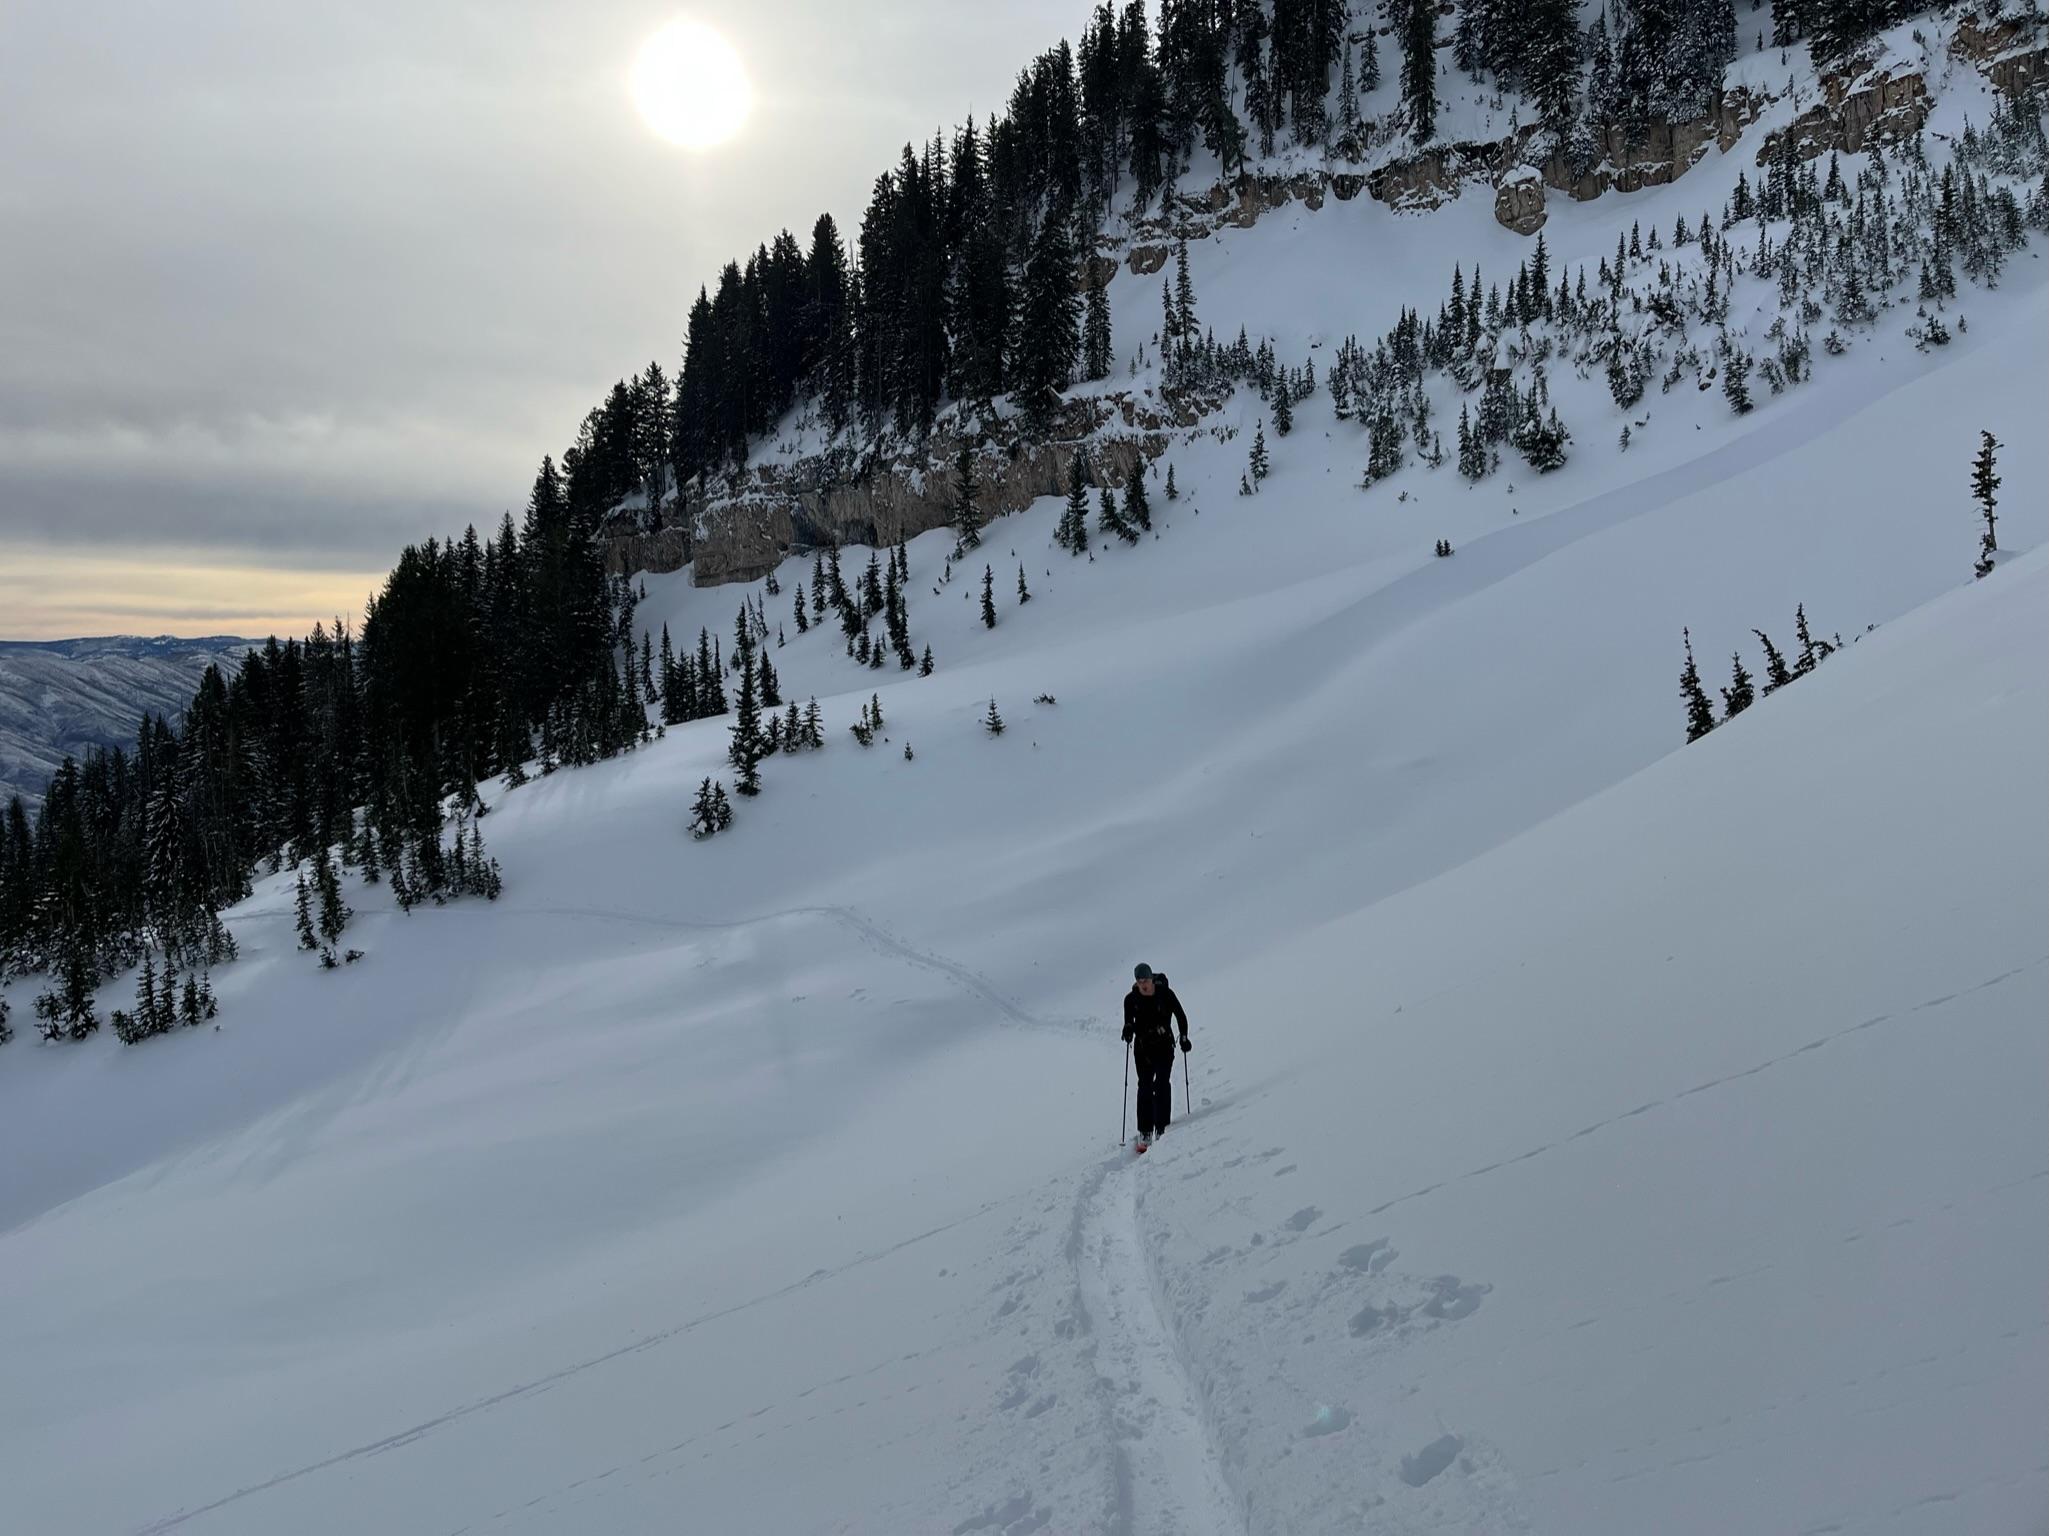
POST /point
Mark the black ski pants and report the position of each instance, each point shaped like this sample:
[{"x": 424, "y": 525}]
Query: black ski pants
[{"x": 1155, "y": 1089}]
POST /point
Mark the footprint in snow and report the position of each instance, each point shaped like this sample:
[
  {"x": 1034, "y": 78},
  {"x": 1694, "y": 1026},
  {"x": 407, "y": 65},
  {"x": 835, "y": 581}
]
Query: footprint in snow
[
  {"x": 1452, "y": 1299},
  {"x": 1431, "y": 1460},
  {"x": 1370, "y": 1320},
  {"x": 1328, "y": 1421},
  {"x": 1369, "y": 1258}
]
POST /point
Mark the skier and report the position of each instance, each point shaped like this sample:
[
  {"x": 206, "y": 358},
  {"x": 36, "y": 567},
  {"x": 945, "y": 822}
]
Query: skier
[{"x": 1150, "y": 1012}]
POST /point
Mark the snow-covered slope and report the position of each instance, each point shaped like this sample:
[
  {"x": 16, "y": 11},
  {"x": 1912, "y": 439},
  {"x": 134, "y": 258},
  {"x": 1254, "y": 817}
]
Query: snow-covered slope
[
  {"x": 1590, "y": 1135},
  {"x": 61, "y": 698}
]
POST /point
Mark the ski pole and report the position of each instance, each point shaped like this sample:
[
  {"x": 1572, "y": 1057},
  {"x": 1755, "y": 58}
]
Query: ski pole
[
  {"x": 1124, "y": 1104},
  {"x": 1187, "y": 1095}
]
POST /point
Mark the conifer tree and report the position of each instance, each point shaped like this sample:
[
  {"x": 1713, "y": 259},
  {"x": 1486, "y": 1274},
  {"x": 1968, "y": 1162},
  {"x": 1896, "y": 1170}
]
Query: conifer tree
[
  {"x": 992, "y": 722},
  {"x": 1811, "y": 651},
  {"x": 1072, "y": 534},
  {"x": 704, "y": 816},
  {"x": 1700, "y": 710},
  {"x": 1738, "y": 695},
  {"x": 925, "y": 663},
  {"x": 988, "y": 597},
  {"x": 814, "y": 725},
  {"x": 1257, "y": 462},
  {"x": 1185, "y": 325},
  {"x": 1736, "y": 381},
  {"x": 1173, "y": 494},
  {"x": 1472, "y": 453},
  {"x": 1138, "y": 510},
  {"x": 745, "y": 749},
  {"x": 144, "y": 1020},
  {"x": 1419, "y": 67},
  {"x": 1049, "y": 322},
  {"x": 334, "y": 912},
  {"x": 1024, "y": 593},
  {"x": 1984, "y": 487},
  {"x": 967, "y": 524},
  {"x": 302, "y": 908},
  {"x": 1111, "y": 519},
  {"x": 1776, "y": 672},
  {"x": 1284, "y": 409},
  {"x": 1095, "y": 333}
]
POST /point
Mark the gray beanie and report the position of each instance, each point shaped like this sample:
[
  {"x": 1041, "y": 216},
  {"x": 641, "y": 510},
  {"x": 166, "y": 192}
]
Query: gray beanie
[{"x": 1141, "y": 972}]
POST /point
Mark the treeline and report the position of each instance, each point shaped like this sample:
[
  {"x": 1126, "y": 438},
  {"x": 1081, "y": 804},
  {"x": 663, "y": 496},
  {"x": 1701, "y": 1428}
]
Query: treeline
[{"x": 472, "y": 652}]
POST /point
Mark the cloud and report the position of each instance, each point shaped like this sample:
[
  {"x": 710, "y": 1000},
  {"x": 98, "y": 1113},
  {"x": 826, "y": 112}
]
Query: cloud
[{"x": 289, "y": 286}]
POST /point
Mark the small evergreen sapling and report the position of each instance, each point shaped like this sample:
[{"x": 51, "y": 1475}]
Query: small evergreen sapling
[
  {"x": 989, "y": 596},
  {"x": 992, "y": 722},
  {"x": 1738, "y": 696},
  {"x": 1257, "y": 462},
  {"x": 1024, "y": 593}
]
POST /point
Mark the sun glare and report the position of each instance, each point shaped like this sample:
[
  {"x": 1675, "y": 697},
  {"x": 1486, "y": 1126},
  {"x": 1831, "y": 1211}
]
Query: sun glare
[{"x": 690, "y": 85}]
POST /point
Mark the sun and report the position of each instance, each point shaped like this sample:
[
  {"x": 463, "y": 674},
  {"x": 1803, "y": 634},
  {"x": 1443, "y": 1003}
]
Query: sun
[{"x": 690, "y": 85}]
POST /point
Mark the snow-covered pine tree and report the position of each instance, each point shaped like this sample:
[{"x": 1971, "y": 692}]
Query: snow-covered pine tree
[
  {"x": 1072, "y": 534},
  {"x": 988, "y": 597},
  {"x": 1024, "y": 593},
  {"x": 745, "y": 748},
  {"x": 1984, "y": 491},
  {"x": 925, "y": 663},
  {"x": 1284, "y": 409},
  {"x": 302, "y": 909},
  {"x": 1738, "y": 696},
  {"x": 1138, "y": 510},
  {"x": 1700, "y": 710},
  {"x": 1110, "y": 519},
  {"x": 334, "y": 911},
  {"x": 1173, "y": 492},
  {"x": 992, "y": 722},
  {"x": 704, "y": 819},
  {"x": 1736, "y": 365},
  {"x": 1776, "y": 673},
  {"x": 1256, "y": 462}
]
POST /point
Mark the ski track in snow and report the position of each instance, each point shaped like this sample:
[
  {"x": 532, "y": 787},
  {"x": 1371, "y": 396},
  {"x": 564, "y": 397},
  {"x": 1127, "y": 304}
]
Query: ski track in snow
[
  {"x": 865, "y": 929},
  {"x": 1168, "y": 1477}
]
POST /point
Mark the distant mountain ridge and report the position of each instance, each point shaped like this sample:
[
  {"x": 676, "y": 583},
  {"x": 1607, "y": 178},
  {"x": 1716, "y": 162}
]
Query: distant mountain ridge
[{"x": 61, "y": 698}]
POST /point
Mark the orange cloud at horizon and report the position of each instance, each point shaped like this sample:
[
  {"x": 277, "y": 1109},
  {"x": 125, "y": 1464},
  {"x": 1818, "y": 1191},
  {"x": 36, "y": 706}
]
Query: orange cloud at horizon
[{"x": 62, "y": 594}]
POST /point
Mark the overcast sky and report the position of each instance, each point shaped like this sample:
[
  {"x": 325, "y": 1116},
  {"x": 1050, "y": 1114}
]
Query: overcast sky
[{"x": 284, "y": 286}]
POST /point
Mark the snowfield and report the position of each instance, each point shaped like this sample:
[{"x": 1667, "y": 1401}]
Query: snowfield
[{"x": 1589, "y": 1134}]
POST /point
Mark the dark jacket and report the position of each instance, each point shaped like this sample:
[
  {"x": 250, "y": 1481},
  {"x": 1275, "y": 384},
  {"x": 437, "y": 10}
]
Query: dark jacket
[{"x": 1149, "y": 1021}]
